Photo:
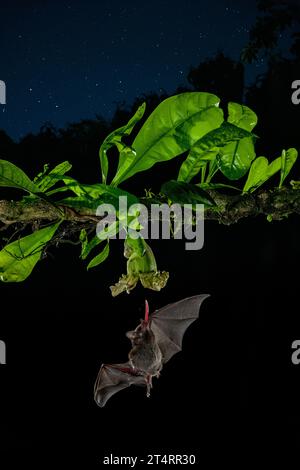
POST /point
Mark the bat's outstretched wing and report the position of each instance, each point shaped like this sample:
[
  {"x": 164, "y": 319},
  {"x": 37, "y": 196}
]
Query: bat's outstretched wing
[
  {"x": 112, "y": 378},
  {"x": 170, "y": 323}
]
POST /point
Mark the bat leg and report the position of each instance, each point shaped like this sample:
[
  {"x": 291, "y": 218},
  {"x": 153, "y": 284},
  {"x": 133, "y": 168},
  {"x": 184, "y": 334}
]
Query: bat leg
[{"x": 149, "y": 385}]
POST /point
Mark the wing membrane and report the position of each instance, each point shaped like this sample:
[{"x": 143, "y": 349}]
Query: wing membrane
[
  {"x": 112, "y": 378},
  {"x": 170, "y": 323}
]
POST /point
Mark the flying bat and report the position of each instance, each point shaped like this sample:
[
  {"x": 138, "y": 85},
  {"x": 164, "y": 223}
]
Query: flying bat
[{"x": 155, "y": 340}]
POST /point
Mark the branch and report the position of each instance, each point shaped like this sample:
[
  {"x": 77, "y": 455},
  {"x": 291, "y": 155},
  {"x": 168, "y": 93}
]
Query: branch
[
  {"x": 12, "y": 212},
  {"x": 276, "y": 204}
]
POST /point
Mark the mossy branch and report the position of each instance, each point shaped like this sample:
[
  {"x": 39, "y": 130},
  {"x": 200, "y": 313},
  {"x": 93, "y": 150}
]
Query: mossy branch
[{"x": 275, "y": 204}]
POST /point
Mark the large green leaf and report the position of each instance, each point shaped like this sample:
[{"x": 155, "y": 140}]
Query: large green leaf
[
  {"x": 241, "y": 116},
  {"x": 288, "y": 159},
  {"x": 235, "y": 158},
  {"x": 186, "y": 193},
  {"x": 208, "y": 147},
  {"x": 260, "y": 172},
  {"x": 13, "y": 177},
  {"x": 173, "y": 127},
  {"x": 115, "y": 138},
  {"x": 195, "y": 160},
  {"x": 48, "y": 180},
  {"x": 98, "y": 259},
  {"x": 17, "y": 259}
]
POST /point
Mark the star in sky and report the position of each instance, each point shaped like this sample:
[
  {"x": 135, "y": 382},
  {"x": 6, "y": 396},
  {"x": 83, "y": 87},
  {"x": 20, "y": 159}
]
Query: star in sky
[{"x": 77, "y": 67}]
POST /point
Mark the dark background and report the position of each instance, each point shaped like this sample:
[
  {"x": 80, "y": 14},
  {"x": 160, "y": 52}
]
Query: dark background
[{"x": 233, "y": 387}]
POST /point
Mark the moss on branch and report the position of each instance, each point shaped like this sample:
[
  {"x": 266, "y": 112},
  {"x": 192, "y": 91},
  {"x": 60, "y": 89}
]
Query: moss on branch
[{"x": 276, "y": 204}]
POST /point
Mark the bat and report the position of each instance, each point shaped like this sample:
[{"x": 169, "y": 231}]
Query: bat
[{"x": 155, "y": 340}]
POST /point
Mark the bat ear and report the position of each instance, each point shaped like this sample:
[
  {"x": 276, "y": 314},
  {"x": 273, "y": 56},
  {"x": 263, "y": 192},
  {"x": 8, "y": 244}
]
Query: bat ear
[
  {"x": 129, "y": 334},
  {"x": 146, "y": 311}
]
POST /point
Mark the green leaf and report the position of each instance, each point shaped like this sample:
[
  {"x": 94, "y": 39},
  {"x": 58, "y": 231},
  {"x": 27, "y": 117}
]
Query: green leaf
[
  {"x": 104, "y": 234},
  {"x": 115, "y": 138},
  {"x": 48, "y": 180},
  {"x": 112, "y": 195},
  {"x": 209, "y": 147},
  {"x": 100, "y": 257},
  {"x": 173, "y": 127},
  {"x": 256, "y": 174},
  {"x": 288, "y": 159},
  {"x": 235, "y": 158},
  {"x": 195, "y": 160},
  {"x": 40, "y": 175},
  {"x": 260, "y": 172},
  {"x": 295, "y": 184},
  {"x": 95, "y": 241},
  {"x": 17, "y": 259},
  {"x": 186, "y": 193},
  {"x": 13, "y": 177},
  {"x": 101, "y": 193},
  {"x": 274, "y": 167},
  {"x": 74, "y": 186},
  {"x": 80, "y": 202},
  {"x": 241, "y": 116},
  {"x": 83, "y": 239}
]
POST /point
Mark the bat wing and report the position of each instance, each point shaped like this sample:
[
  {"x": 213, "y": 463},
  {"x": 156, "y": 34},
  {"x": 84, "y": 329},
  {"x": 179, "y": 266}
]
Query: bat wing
[
  {"x": 112, "y": 378},
  {"x": 170, "y": 323}
]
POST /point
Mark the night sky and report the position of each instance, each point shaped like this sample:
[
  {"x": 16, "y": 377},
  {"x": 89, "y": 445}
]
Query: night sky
[{"x": 63, "y": 61}]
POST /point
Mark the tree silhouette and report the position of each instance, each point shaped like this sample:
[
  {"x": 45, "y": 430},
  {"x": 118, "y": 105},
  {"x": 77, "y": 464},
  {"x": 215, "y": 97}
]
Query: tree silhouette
[
  {"x": 221, "y": 76},
  {"x": 278, "y": 17},
  {"x": 270, "y": 95}
]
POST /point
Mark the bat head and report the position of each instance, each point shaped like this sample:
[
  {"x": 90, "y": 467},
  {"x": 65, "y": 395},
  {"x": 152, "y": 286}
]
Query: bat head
[{"x": 142, "y": 331}]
